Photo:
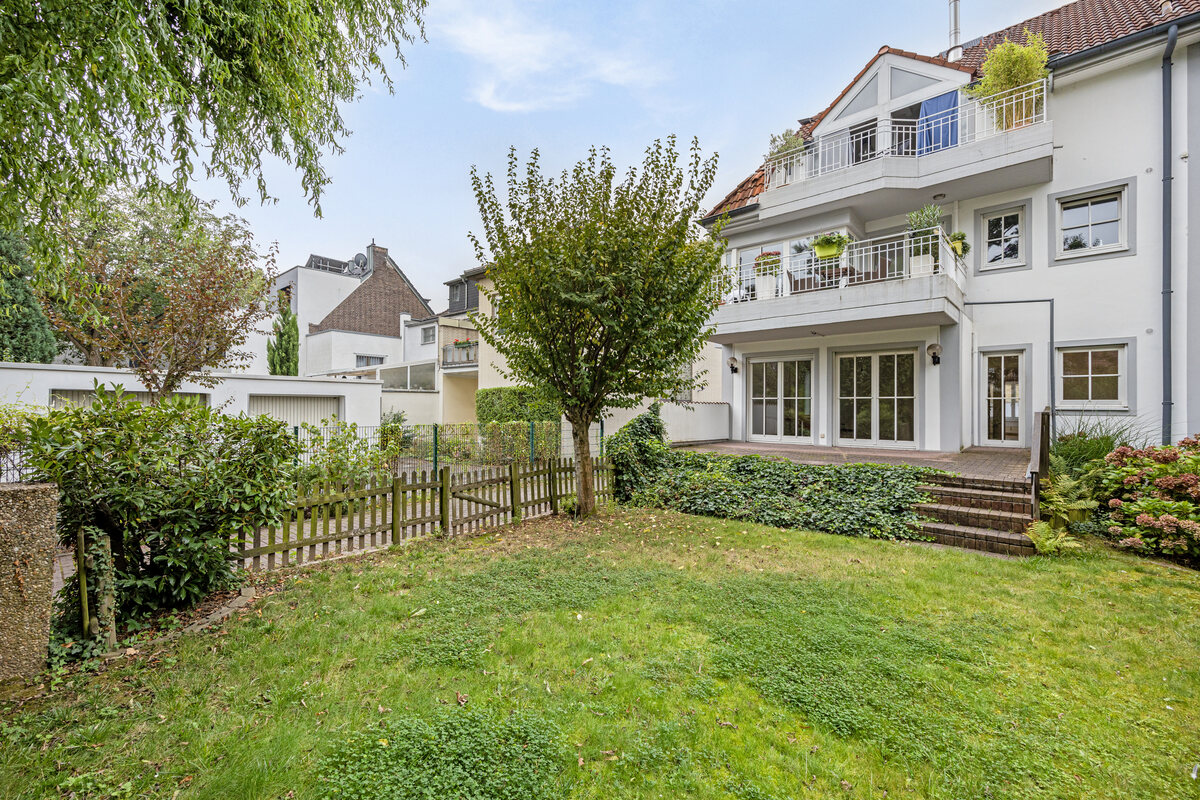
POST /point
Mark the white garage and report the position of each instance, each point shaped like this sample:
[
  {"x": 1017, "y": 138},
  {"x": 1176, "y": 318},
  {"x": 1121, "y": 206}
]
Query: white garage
[{"x": 295, "y": 410}]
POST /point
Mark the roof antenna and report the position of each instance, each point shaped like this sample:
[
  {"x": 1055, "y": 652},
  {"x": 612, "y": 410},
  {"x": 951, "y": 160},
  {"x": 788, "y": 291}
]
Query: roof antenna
[{"x": 955, "y": 52}]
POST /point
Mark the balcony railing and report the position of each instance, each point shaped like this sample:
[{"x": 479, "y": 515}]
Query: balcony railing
[
  {"x": 457, "y": 355},
  {"x": 971, "y": 120},
  {"x": 889, "y": 258}
]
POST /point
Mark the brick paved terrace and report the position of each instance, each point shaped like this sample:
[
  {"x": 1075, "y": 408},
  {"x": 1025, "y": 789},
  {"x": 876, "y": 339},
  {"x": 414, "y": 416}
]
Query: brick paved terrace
[{"x": 998, "y": 463}]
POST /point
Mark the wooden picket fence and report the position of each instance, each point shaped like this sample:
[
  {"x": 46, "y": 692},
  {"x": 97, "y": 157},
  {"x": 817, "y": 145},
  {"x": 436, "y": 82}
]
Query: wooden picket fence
[{"x": 333, "y": 519}]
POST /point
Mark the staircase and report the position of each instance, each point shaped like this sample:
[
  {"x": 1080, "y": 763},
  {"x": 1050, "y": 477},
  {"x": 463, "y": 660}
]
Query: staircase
[{"x": 979, "y": 514}]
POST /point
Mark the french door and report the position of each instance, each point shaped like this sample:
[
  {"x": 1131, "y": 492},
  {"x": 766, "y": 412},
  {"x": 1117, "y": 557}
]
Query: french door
[
  {"x": 781, "y": 399},
  {"x": 877, "y": 399},
  {"x": 1003, "y": 399}
]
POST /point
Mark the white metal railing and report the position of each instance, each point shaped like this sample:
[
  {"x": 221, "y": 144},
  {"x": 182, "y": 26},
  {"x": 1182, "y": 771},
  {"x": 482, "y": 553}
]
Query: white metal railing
[
  {"x": 973, "y": 119},
  {"x": 460, "y": 354},
  {"x": 887, "y": 258}
]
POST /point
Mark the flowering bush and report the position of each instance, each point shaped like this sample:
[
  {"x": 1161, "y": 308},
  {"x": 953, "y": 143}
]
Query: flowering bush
[{"x": 1153, "y": 498}]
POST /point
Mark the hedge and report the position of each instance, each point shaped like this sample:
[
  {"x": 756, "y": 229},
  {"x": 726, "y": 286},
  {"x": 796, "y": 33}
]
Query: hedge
[{"x": 513, "y": 404}]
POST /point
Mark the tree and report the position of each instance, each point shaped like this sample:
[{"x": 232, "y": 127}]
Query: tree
[
  {"x": 173, "y": 299},
  {"x": 25, "y": 335},
  {"x": 602, "y": 290},
  {"x": 97, "y": 93},
  {"x": 283, "y": 352}
]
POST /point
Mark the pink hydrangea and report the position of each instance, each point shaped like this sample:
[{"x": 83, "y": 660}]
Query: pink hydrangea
[
  {"x": 1145, "y": 520},
  {"x": 1115, "y": 502},
  {"x": 1134, "y": 542}
]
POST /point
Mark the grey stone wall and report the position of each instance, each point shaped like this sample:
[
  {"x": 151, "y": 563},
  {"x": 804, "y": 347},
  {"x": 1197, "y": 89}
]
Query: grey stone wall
[{"x": 27, "y": 547}]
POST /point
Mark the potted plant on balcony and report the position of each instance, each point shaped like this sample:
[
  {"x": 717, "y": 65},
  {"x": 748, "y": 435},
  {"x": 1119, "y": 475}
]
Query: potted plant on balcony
[
  {"x": 766, "y": 274},
  {"x": 924, "y": 230},
  {"x": 830, "y": 245},
  {"x": 958, "y": 242},
  {"x": 461, "y": 343},
  {"x": 780, "y": 161},
  {"x": 1008, "y": 70}
]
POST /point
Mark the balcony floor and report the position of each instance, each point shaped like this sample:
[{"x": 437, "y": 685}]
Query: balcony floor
[{"x": 999, "y": 463}]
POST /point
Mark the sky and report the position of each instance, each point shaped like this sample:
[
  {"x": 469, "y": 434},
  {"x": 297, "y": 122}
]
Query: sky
[{"x": 563, "y": 76}]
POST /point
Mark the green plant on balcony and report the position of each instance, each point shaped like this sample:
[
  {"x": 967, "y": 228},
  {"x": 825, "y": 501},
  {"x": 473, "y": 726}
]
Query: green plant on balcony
[
  {"x": 1008, "y": 68},
  {"x": 463, "y": 342},
  {"x": 766, "y": 263},
  {"x": 790, "y": 140},
  {"x": 830, "y": 245},
  {"x": 922, "y": 231},
  {"x": 958, "y": 241}
]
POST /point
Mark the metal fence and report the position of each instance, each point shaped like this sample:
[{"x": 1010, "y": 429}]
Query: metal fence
[{"x": 460, "y": 445}]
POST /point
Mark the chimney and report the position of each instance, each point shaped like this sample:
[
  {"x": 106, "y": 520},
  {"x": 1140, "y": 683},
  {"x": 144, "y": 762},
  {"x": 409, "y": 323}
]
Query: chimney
[{"x": 955, "y": 52}]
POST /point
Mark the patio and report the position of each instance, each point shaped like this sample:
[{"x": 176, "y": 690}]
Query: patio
[{"x": 997, "y": 463}]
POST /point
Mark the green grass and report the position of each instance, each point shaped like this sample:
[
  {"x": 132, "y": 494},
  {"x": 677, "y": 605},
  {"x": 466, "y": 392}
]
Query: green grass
[{"x": 675, "y": 656}]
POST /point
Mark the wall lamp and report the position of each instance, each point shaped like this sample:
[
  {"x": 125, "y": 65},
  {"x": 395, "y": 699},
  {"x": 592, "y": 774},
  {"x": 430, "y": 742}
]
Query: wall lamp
[
  {"x": 935, "y": 353},
  {"x": 733, "y": 365}
]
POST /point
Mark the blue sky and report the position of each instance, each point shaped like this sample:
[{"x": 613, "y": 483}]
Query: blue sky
[{"x": 562, "y": 76}]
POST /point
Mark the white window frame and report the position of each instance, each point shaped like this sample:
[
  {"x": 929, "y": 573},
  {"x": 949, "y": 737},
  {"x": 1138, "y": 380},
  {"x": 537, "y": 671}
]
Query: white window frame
[
  {"x": 1122, "y": 243},
  {"x": 1122, "y": 401},
  {"x": 429, "y": 334},
  {"x": 456, "y": 292},
  {"x": 1022, "y": 239},
  {"x": 360, "y": 356}
]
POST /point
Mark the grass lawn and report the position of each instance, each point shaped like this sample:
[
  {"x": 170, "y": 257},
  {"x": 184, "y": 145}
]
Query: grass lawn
[{"x": 676, "y": 656}]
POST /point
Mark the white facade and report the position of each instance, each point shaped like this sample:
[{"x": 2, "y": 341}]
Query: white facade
[
  {"x": 838, "y": 352},
  {"x": 291, "y": 400}
]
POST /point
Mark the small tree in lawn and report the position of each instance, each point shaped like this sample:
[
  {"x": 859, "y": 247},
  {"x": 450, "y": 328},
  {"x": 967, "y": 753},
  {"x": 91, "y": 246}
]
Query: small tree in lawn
[
  {"x": 602, "y": 289},
  {"x": 175, "y": 307},
  {"x": 283, "y": 351}
]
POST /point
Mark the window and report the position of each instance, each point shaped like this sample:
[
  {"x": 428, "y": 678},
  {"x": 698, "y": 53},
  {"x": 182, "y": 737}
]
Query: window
[
  {"x": 1092, "y": 376},
  {"x": 367, "y": 361},
  {"x": 428, "y": 334},
  {"x": 1087, "y": 224},
  {"x": 414, "y": 378},
  {"x": 456, "y": 292},
  {"x": 1002, "y": 245}
]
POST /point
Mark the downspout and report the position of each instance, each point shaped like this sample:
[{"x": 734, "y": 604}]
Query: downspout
[{"x": 1167, "y": 398}]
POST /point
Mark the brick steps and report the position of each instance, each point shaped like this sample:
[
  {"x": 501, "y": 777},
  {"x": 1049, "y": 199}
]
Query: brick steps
[{"x": 984, "y": 514}]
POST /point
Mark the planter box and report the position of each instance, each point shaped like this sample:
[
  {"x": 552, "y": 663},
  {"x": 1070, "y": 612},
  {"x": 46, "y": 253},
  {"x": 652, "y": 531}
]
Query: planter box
[
  {"x": 922, "y": 264},
  {"x": 766, "y": 286}
]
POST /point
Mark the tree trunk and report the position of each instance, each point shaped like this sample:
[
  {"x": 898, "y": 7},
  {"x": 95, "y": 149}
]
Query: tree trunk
[{"x": 584, "y": 482}]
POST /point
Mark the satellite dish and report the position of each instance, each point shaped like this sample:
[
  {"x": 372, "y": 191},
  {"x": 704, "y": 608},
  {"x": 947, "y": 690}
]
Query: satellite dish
[{"x": 360, "y": 260}]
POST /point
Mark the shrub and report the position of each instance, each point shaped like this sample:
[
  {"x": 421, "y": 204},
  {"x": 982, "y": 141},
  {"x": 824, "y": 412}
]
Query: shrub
[
  {"x": 169, "y": 485},
  {"x": 638, "y": 452},
  {"x": 336, "y": 451},
  {"x": 1153, "y": 498},
  {"x": 459, "y": 753},
  {"x": 513, "y": 404},
  {"x": 1087, "y": 440},
  {"x": 870, "y": 500},
  {"x": 394, "y": 434}
]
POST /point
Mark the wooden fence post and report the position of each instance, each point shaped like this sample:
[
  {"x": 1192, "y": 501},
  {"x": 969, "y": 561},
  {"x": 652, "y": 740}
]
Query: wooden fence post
[
  {"x": 514, "y": 487},
  {"x": 552, "y": 476},
  {"x": 81, "y": 568},
  {"x": 397, "y": 530},
  {"x": 444, "y": 501}
]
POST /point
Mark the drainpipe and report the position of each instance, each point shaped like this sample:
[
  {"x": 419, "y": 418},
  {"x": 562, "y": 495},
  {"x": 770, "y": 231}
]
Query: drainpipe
[{"x": 1172, "y": 35}]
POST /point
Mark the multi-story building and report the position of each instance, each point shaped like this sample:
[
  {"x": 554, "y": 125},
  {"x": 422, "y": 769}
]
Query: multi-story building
[{"x": 1080, "y": 291}]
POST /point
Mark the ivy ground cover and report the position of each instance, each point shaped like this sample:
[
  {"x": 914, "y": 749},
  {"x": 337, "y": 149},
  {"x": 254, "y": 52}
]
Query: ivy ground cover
[{"x": 649, "y": 654}]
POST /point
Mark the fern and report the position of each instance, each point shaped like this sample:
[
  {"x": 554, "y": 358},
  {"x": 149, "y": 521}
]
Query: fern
[{"x": 1049, "y": 540}]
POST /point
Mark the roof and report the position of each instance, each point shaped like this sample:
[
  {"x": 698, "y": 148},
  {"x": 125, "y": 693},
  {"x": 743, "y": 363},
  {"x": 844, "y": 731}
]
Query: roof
[
  {"x": 1072, "y": 28},
  {"x": 376, "y": 303}
]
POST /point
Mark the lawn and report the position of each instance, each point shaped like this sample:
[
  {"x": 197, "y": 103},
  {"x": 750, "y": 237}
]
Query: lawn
[{"x": 664, "y": 656}]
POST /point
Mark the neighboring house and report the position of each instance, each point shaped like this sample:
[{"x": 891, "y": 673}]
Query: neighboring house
[
  {"x": 899, "y": 343},
  {"x": 352, "y": 314}
]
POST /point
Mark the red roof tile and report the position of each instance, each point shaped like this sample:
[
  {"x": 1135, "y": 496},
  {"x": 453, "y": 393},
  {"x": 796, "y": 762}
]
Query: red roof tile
[{"x": 1070, "y": 29}]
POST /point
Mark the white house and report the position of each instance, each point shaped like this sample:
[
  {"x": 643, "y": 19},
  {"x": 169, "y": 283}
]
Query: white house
[{"x": 1081, "y": 289}]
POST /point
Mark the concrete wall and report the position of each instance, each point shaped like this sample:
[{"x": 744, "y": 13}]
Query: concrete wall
[
  {"x": 27, "y": 546},
  {"x": 686, "y": 423},
  {"x": 414, "y": 348},
  {"x": 330, "y": 351},
  {"x": 420, "y": 408},
  {"x": 33, "y": 383}
]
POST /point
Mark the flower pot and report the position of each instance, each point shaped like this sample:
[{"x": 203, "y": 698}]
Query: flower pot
[
  {"x": 825, "y": 251},
  {"x": 957, "y": 245}
]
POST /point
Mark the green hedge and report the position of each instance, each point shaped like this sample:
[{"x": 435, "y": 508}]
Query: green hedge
[{"x": 513, "y": 404}]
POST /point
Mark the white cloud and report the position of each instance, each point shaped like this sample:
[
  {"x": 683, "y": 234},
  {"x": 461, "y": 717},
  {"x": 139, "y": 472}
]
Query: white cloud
[{"x": 522, "y": 63}]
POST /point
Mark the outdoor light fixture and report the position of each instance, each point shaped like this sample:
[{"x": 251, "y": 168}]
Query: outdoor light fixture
[
  {"x": 935, "y": 353},
  {"x": 733, "y": 365}
]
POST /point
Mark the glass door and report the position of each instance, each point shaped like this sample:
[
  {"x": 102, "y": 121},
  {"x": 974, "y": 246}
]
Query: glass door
[
  {"x": 877, "y": 399},
  {"x": 781, "y": 399},
  {"x": 1003, "y": 399}
]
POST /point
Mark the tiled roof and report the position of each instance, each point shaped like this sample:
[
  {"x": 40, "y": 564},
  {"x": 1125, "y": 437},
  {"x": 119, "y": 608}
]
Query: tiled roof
[
  {"x": 1070, "y": 29},
  {"x": 1083, "y": 24},
  {"x": 375, "y": 304}
]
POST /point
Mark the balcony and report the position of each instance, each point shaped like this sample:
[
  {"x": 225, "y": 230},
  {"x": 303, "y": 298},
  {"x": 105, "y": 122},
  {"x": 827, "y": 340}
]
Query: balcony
[
  {"x": 463, "y": 354},
  {"x": 976, "y": 137},
  {"x": 904, "y": 280}
]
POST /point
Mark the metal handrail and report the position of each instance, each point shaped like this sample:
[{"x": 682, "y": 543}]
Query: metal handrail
[{"x": 972, "y": 119}]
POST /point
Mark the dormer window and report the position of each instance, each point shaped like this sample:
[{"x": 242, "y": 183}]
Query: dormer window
[{"x": 456, "y": 292}]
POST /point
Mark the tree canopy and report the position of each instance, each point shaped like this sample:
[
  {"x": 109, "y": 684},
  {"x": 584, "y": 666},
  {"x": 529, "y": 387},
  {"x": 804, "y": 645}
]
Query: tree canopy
[
  {"x": 25, "y": 334},
  {"x": 602, "y": 285},
  {"x": 96, "y": 93}
]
